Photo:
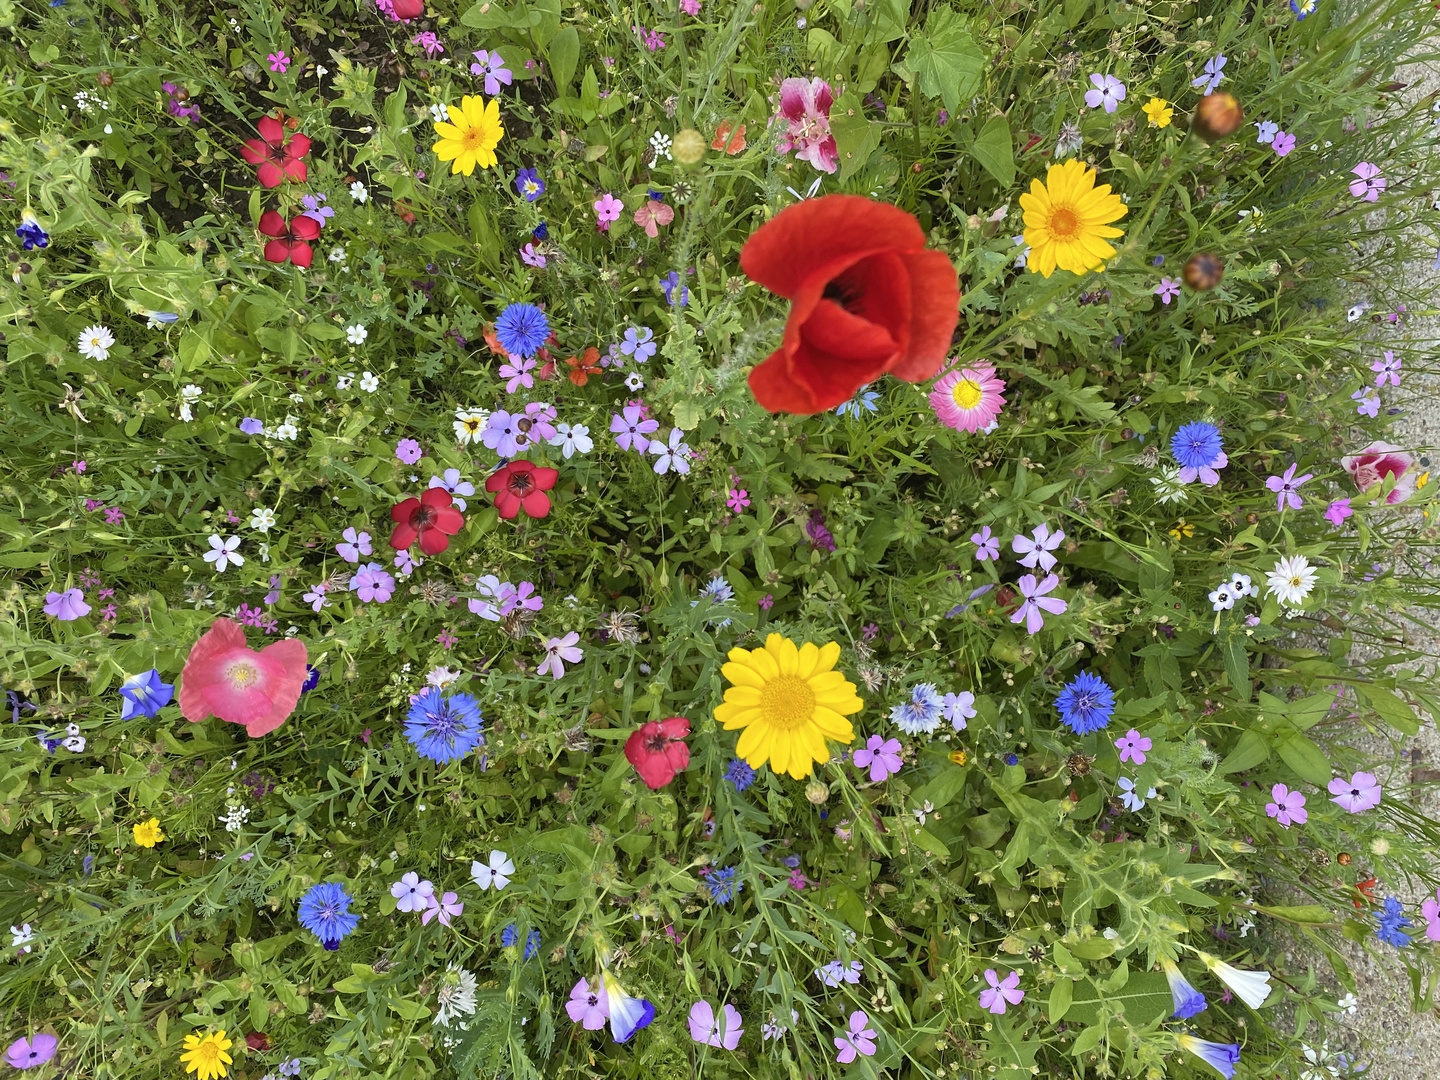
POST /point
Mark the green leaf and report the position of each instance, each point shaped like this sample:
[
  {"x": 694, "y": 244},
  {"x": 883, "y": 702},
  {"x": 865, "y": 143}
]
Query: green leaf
[
  {"x": 1087, "y": 1040},
  {"x": 589, "y": 95},
  {"x": 994, "y": 150},
  {"x": 1306, "y": 759},
  {"x": 1391, "y": 709},
  {"x": 1060, "y": 997},
  {"x": 888, "y": 19},
  {"x": 1250, "y": 750},
  {"x": 947, "y": 63},
  {"x": 930, "y": 844},
  {"x": 1308, "y": 914},
  {"x": 1237, "y": 663},
  {"x": 855, "y": 137},
  {"x": 564, "y": 53},
  {"x": 1144, "y": 998}
]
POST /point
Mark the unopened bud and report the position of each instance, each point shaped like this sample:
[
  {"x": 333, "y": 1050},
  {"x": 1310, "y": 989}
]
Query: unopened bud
[{"x": 688, "y": 147}]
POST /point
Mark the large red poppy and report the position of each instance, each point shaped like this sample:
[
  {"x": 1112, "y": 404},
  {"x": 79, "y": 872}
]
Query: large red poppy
[
  {"x": 277, "y": 156},
  {"x": 405, "y": 10},
  {"x": 224, "y": 677},
  {"x": 289, "y": 243},
  {"x": 521, "y": 485},
  {"x": 430, "y": 517},
  {"x": 657, "y": 752},
  {"x": 866, "y": 298}
]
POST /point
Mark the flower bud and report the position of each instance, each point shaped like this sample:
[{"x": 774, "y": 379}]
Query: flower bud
[
  {"x": 1217, "y": 116},
  {"x": 1203, "y": 272},
  {"x": 817, "y": 792},
  {"x": 688, "y": 147},
  {"x": 105, "y": 79}
]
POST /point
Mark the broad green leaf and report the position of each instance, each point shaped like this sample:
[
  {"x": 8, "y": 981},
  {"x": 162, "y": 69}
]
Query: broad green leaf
[
  {"x": 564, "y": 53},
  {"x": 855, "y": 137},
  {"x": 1313, "y": 914},
  {"x": 1391, "y": 709},
  {"x": 1250, "y": 750},
  {"x": 946, "y": 61},
  {"x": 1144, "y": 998},
  {"x": 995, "y": 151},
  {"x": 1306, "y": 759},
  {"x": 1060, "y": 997}
]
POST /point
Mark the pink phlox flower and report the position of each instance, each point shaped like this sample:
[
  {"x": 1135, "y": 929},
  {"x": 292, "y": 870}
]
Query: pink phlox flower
[
  {"x": 1288, "y": 807},
  {"x": 355, "y": 545},
  {"x": 881, "y": 756},
  {"x": 446, "y": 908},
  {"x": 517, "y": 371},
  {"x": 530, "y": 257},
  {"x": 722, "y": 1032},
  {"x": 1109, "y": 92},
  {"x": 859, "y": 1039},
  {"x": 1430, "y": 909},
  {"x": 1001, "y": 993},
  {"x": 1369, "y": 184},
  {"x": 1038, "y": 549},
  {"x": 1037, "y": 601},
  {"x": 607, "y": 209},
  {"x": 1389, "y": 368},
  {"x": 1285, "y": 488},
  {"x": 1358, "y": 794},
  {"x": 587, "y": 1006},
  {"x": 738, "y": 499},
  {"x": 279, "y": 62},
  {"x": 1283, "y": 143},
  {"x": 559, "y": 652},
  {"x": 1133, "y": 746},
  {"x": 987, "y": 545},
  {"x": 1338, "y": 511},
  {"x": 429, "y": 42},
  {"x": 1168, "y": 289}
]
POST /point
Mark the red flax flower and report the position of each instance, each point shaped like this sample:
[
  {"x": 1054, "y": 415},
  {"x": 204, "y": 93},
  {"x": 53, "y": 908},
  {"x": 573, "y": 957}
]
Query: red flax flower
[
  {"x": 583, "y": 366},
  {"x": 277, "y": 156},
  {"x": 657, "y": 750},
  {"x": 226, "y": 678},
  {"x": 521, "y": 485},
  {"x": 431, "y": 517},
  {"x": 866, "y": 298},
  {"x": 290, "y": 239}
]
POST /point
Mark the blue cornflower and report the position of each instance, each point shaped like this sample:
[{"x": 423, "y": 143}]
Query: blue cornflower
[
  {"x": 509, "y": 936},
  {"x": 312, "y": 679},
  {"x": 541, "y": 231},
  {"x": 325, "y": 912},
  {"x": 532, "y": 944},
  {"x": 29, "y": 230},
  {"x": 921, "y": 714},
  {"x": 740, "y": 774},
  {"x": 722, "y": 885},
  {"x": 522, "y": 329},
  {"x": 1188, "y": 1001},
  {"x": 444, "y": 729},
  {"x": 717, "y": 590},
  {"x": 1196, "y": 445},
  {"x": 529, "y": 184},
  {"x": 863, "y": 399},
  {"x": 145, "y": 695},
  {"x": 668, "y": 283},
  {"x": 1086, "y": 703},
  {"x": 1392, "y": 920}
]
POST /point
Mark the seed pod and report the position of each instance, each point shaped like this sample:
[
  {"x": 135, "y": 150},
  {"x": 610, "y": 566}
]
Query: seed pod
[
  {"x": 105, "y": 79},
  {"x": 1217, "y": 116},
  {"x": 1203, "y": 272},
  {"x": 1343, "y": 858},
  {"x": 182, "y": 94},
  {"x": 688, "y": 147},
  {"x": 817, "y": 792}
]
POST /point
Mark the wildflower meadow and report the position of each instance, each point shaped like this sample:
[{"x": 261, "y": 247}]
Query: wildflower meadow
[{"x": 853, "y": 538}]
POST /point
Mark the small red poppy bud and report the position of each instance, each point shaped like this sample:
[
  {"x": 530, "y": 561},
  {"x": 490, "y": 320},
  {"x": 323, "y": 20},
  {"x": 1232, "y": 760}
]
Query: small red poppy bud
[
  {"x": 1203, "y": 272},
  {"x": 105, "y": 79},
  {"x": 1217, "y": 116}
]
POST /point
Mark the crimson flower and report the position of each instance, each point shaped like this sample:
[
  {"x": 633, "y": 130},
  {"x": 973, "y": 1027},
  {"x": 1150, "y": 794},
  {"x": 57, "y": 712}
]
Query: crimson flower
[
  {"x": 405, "y": 10},
  {"x": 521, "y": 485},
  {"x": 657, "y": 750},
  {"x": 430, "y": 517},
  {"x": 277, "y": 156},
  {"x": 258, "y": 1041},
  {"x": 289, "y": 243}
]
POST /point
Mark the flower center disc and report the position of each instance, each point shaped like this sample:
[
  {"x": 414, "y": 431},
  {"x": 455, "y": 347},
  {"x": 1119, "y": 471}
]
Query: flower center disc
[
  {"x": 967, "y": 393},
  {"x": 1063, "y": 223},
  {"x": 242, "y": 674},
  {"x": 787, "y": 701}
]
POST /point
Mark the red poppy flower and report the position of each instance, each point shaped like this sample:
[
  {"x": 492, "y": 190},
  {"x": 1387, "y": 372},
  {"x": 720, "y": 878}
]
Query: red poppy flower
[
  {"x": 277, "y": 156},
  {"x": 430, "y": 517},
  {"x": 289, "y": 243},
  {"x": 583, "y": 366},
  {"x": 521, "y": 485},
  {"x": 729, "y": 138},
  {"x": 258, "y": 1041},
  {"x": 1366, "y": 889},
  {"x": 866, "y": 298},
  {"x": 657, "y": 751},
  {"x": 405, "y": 10},
  {"x": 226, "y": 678}
]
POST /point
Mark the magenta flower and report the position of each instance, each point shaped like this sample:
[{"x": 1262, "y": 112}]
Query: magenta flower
[
  {"x": 1000, "y": 993},
  {"x": 447, "y": 907},
  {"x": 279, "y": 62},
  {"x": 1389, "y": 368},
  {"x": 1036, "y": 601},
  {"x": 28, "y": 1053},
  {"x": 1370, "y": 183},
  {"x": 517, "y": 371},
  {"x": 1133, "y": 746},
  {"x": 1358, "y": 794},
  {"x": 66, "y": 606},
  {"x": 767, "y": 601},
  {"x": 722, "y": 1033},
  {"x": 806, "y": 103},
  {"x": 858, "y": 1039},
  {"x": 1286, "y": 488},
  {"x": 588, "y": 1007},
  {"x": 490, "y": 67},
  {"x": 607, "y": 209},
  {"x": 880, "y": 756},
  {"x": 653, "y": 40},
  {"x": 1289, "y": 806},
  {"x": 429, "y": 42},
  {"x": 738, "y": 499},
  {"x": 1283, "y": 143},
  {"x": 1168, "y": 289},
  {"x": 408, "y": 451},
  {"x": 1338, "y": 511},
  {"x": 987, "y": 545},
  {"x": 1109, "y": 92},
  {"x": 1430, "y": 909},
  {"x": 530, "y": 257}
]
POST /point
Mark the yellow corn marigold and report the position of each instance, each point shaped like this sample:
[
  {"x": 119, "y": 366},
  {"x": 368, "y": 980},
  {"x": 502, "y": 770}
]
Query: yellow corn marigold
[{"x": 1067, "y": 219}]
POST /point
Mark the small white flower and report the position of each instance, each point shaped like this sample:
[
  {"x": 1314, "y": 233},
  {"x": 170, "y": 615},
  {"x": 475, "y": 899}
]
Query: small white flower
[
  {"x": 74, "y": 743},
  {"x": 262, "y": 518},
  {"x": 337, "y": 254},
  {"x": 634, "y": 381},
  {"x": 1241, "y": 587},
  {"x": 95, "y": 342},
  {"x": 440, "y": 113},
  {"x": 1291, "y": 581},
  {"x": 222, "y": 552},
  {"x": 497, "y": 872},
  {"x": 469, "y": 423},
  {"x": 369, "y": 383},
  {"x": 358, "y": 192},
  {"x": 344, "y": 381},
  {"x": 1131, "y": 798},
  {"x": 923, "y": 812},
  {"x": 1168, "y": 487},
  {"x": 21, "y": 936},
  {"x": 1222, "y": 599},
  {"x": 571, "y": 439},
  {"x": 185, "y": 413},
  {"x": 234, "y": 817},
  {"x": 1251, "y": 987},
  {"x": 299, "y": 399},
  {"x": 1111, "y": 934},
  {"x": 288, "y": 430},
  {"x": 109, "y": 130},
  {"x": 320, "y": 70},
  {"x": 1356, "y": 312},
  {"x": 660, "y": 142},
  {"x": 265, "y": 557},
  {"x": 1350, "y": 1004},
  {"x": 356, "y": 334}
]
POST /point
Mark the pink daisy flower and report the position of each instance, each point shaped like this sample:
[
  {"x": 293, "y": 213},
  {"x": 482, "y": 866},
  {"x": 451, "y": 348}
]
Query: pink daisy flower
[{"x": 968, "y": 399}]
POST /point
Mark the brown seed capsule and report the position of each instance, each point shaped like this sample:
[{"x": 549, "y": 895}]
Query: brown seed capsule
[
  {"x": 1203, "y": 272},
  {"x": 182, "y": 94},
  {"x": 1217, "y": 116},
  {"x": 1343, "y": 858},
  {"x": 105, "y": 79},
  {"x": 1251, "y": 518},
  {"x": 1078, "y": 764}
]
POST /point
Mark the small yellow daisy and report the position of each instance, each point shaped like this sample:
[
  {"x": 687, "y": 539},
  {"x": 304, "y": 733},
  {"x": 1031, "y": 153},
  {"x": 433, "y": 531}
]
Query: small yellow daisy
[
  {"x": 147, "y": 833},
  {"x": 1158, "y": 111},
  {"x": 472, "y": 138},
  {"x": 205, "y": 1055}
]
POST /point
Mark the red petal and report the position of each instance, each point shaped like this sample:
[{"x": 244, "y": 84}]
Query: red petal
[
  {"x": 270, "y": 175},
  {"x": 635, "y": 751},
  {"x": 277, "y": 251},
  {"x": 271, "y": 130},
  {"x": 255, "y": 151},
  {"x": 677, "y": 727},
  {"x": 817, "y": 238},
  {"x": 537, "y": 504},
  {"x": 934, "y": 313},
  {"x": 544, "y": 478},
  {"x": 295, "y": 170},
  {"x": 436, "y": 497},
  {"x": 201, "y": 669},
  {"x": 409, "y": 9},
  {"x": 401, "y": 511},
  {"x": 507, "y": 504},
  {"x": 306, "y": 228},
  {"x": 402, "y": 537},
  {"x": 297, "y": 147},
  {"x": 286, "y": 693},
  {"x": 433, "y": 541},
  {"x": 271, "y": 224},
  {"x": 300, "y": 253},
  {"x": 449, "y": 520},
  {"x": 498, "y": 479},
  {"x": 677, "y": 757}
]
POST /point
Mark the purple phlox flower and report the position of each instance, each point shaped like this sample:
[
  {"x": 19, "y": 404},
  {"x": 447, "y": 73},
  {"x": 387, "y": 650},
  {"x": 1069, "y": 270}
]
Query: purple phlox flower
[
  {"x": 488, "y": 605},
  {"x": 371, "y": 582},
  {"x": 530, "y": 257},
  {"x": 1358, "y": 794},
  {"x": 632, "y": 428},
  {"x": 537, "y": 425},
  {"x": 429, "y": 42},
  {"x": 722, "y": 1032},
  {"x": 1285, "y": 488},
  {"x": 958, "y": 708},
  {"x": 502, "y": 433},
  {"x": 1288, "y": 806},
  {"x": 1430, "y": 910},
  {"x": 674, "y": 455},
  {"x": 34, "y": 1051},
  {"x": 837, "y": 972},
  {"x": 1283, "y": 143},
  {"x": 408, "y": 451},
  {"x": 668, "y": 283},
  {"x": 1038, "y": 549},
  {"x": 1133, "y": 746},
  {"x": 412, "y": 894},
  {"x": 66, "y": 606},
  {"x": 316, "y": 597},
  {"x": 1109, "y": 92},
  {"x": 447, "y": 907},
  {"x": 560, "y": 651},
  {"x": 355, "y": 545},
  {"x": 406, "y": 563},
  {"x": 987, "y": 545},
  {"x": 1389, "y": 368},
  {"x": 1338, "y": 511},
  {"x": 1168, "y": 289},
  {"x": 273, "y": 596},
  {"x": 881, "y": 756},
  {"x": 587, "y": 1006},
  {"x": 251, "y": 426},
  {"x": 517, "y": 371},
  {"x": 452, "y": 483},
  {"x": 1367, "y": 405},
  {"x": 858, "y": 1039},
  {"x": 1369, "y": 183},
  {"x": 1213, "y": 74},
  {"x": 1037, "y": 601},
  {"x": 639, "y": 342},
  {"x": 490, "y": 67},
  {"x": 1265, "y": 131},
  {"x": 1001, "y": 993},
  {"x": 519, "y": 596},
  {"x": 314, "y": 210}
]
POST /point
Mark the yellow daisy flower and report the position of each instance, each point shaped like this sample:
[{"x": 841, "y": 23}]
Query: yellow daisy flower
[
  {"x": 472, "y": 140},
  {"x": 147, "y": 833},
  {"x": 1158, "y": 111},
  {"x": 1066, "y": 218},
  {"x": 789, "y": 700},
  {"x": 205, "y": 1055}
]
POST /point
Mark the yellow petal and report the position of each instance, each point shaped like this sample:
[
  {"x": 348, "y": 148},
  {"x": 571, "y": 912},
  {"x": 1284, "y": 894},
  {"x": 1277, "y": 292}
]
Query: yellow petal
[
  {"x": 829, "y": 654},
  {"x": 833, "y": 725},
  {"x": 740, "y": 673},
  {"x": 743, "y": 695},
  {"x": 779, "y": 750},
  {"x": 809, "y": 660},
  {"x": 752, "y": 741},
  {"x": 814, "y": 741},
  {"x": 765, "y": 664},
  {"x": 784, "y": 652},
  {"x": 734, "y": 716}
]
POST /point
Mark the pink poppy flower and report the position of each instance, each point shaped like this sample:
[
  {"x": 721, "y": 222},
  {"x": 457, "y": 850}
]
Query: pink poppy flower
[
  {"x": 224, "y": 677},
  {"x": 652, "y": 215},
  {"x": 1288, "y": 807},
  {"x": 1000, "y": 993},
  {"x": 1377, "y": 461},
  {"x": 805, "y": 103}
]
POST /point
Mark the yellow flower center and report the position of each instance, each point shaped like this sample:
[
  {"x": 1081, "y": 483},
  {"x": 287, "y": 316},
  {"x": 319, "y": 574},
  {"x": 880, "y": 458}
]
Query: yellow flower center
[
  {"x": 967, "y": 393},
  {"x": 788, "y": 701},
  {"x": 471, "y": 425},
  {"x": 1064, "y": 223},
  {"x": 242, "y": 674},
  {"x": 473, "y": 139},
  {"x": 1297, "y": 581}
]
